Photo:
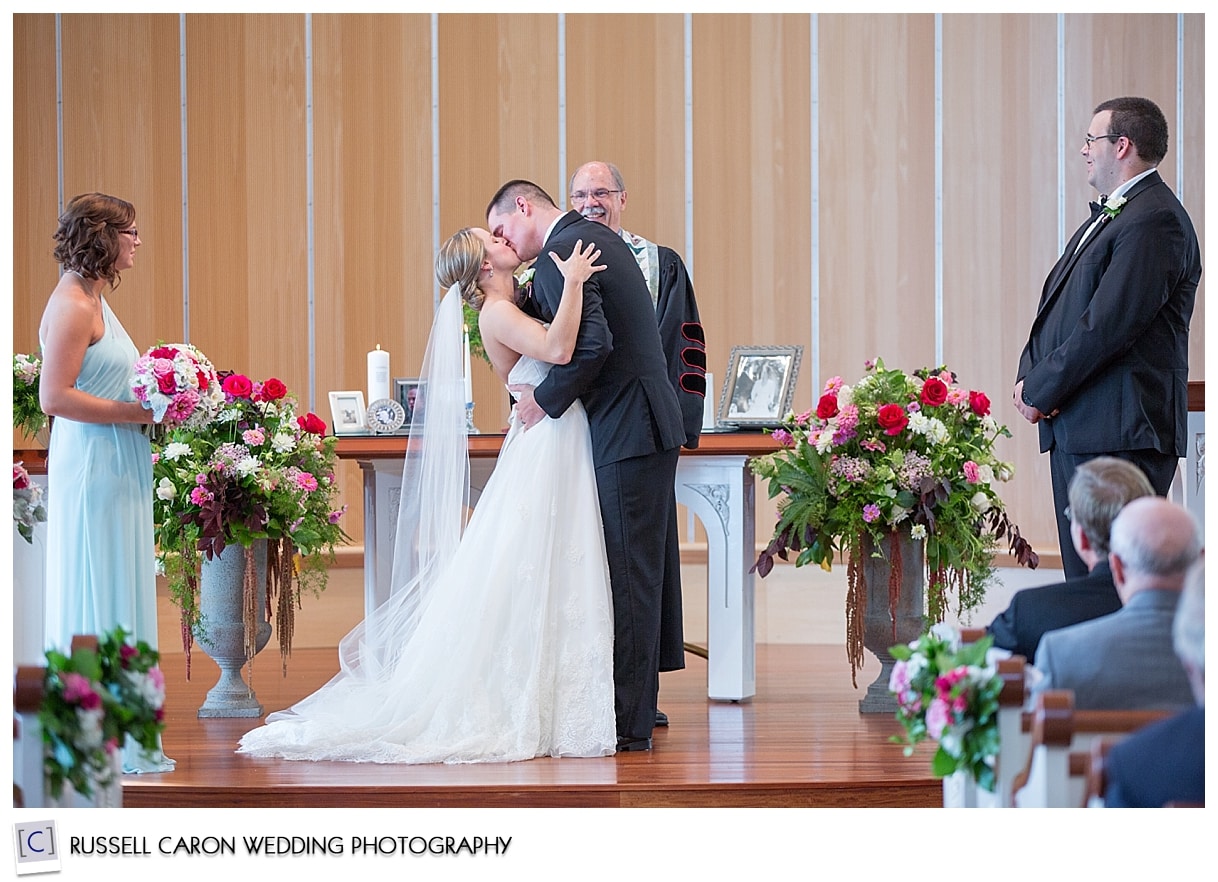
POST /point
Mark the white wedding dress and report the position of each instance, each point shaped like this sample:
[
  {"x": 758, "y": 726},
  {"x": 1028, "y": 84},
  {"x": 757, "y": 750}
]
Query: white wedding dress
[{"x": 510, "y": 657}]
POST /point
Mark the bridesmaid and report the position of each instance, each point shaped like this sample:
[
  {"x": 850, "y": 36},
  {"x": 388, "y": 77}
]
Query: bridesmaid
[{"x": 100, "y": 556}]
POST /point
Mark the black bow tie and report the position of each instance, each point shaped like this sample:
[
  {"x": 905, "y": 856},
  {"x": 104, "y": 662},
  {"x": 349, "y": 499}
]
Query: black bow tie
[{"x": 1097, "y": 207}]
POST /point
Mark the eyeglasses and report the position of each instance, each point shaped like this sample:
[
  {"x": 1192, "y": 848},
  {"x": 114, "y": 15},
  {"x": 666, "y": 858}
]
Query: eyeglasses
[
  {"x": 133, "y": 233},
  {"x": 1091, "y": 139},
  {"x": 599, "y": 195}
]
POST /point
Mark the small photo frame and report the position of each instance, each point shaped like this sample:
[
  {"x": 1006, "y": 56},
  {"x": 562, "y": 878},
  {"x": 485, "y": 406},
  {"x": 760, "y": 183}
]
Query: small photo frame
[
  {"x": 759, "y": 386},
  {"x": 347, "y": 413},
  {"x": 408, "y": 392}
]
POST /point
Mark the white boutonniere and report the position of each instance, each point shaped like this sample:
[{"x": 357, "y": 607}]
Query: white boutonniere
[
  {"x": 525, "y": 277},
  {"x": 1113, "y": 206}
]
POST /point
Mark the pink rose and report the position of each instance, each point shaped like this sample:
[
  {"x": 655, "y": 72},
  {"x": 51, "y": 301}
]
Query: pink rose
[
  {"x": 237, "y": 386},
  {"x": 938, "y": 716},
  {"x": 972, "y": 472}
]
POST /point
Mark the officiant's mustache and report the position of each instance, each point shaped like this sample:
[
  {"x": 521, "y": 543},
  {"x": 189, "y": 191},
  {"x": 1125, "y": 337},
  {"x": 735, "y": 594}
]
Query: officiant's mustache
[{"x": 593, "y": 211}]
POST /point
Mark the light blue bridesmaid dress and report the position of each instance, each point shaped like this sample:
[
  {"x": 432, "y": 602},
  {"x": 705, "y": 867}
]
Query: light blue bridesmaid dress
[{"x": 100, "y": 553}]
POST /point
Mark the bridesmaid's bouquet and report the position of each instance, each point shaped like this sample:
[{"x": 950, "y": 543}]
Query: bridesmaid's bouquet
[{"x": 179, "y": 385}]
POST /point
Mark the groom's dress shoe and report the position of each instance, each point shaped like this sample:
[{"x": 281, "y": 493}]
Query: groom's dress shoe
[
  {"x": 661, "y": 718},
  {"x": 624, "y": 744}
]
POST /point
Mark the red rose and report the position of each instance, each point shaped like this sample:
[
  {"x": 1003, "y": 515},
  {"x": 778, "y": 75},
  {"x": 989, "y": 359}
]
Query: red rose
[
  {"x": 163, "y": 352},
  {"x": 167, "y": 382},
  {"x": 237, "y": 386},
  {"x": 979, "y": 402},
  {"x": 273, "y": 390},
  {"x": 826, "y": 408},
  {"x": 204, "y": 382},
  {"x": 21, "y": 478},
  {"x": 312, "y": 423},
  {"x": 934, "y": 392},
  {"x": 892, "y": 419}
]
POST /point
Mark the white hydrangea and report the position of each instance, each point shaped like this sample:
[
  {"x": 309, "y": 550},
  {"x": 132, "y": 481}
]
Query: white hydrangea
[{"x": 845, "y": 395}]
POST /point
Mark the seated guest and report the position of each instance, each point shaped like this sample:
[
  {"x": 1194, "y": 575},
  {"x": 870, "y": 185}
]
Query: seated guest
[
  {"x": 1125, "y": 661},
  {"x": 1100, "y": 488},
  {"x": 1165, "y": 762}
]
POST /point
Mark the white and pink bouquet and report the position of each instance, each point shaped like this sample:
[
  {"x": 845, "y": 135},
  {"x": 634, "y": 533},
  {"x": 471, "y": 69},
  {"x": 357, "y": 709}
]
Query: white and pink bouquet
[{"x": 178, "y": 384}]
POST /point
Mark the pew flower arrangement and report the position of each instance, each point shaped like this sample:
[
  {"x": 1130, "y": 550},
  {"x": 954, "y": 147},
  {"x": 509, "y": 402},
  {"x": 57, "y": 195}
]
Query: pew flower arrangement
[
  {"x": 27, "y": 411},
  {"x": 28, "y": 509},
  {"x": 255, "y": 471},
  {"x": 949, "y": 693},
  {"x": 93, "y": 700},
  {"x": 894, "y": 451}
]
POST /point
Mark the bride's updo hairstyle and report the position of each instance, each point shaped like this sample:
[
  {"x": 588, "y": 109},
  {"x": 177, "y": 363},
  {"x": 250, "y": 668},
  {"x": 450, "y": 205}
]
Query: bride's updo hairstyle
[{"x": 459, "y": 263}]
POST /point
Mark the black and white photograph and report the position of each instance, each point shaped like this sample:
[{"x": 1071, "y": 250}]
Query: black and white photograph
[
  {"x": 760, "y": 385},
  {"x": 347, "y": 412}
]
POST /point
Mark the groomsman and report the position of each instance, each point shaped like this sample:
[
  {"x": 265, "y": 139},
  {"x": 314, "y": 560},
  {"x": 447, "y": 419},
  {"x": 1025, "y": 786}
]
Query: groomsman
[
  {"x": 1105, "y": 368},
  {"x": 598, "y": 192}
]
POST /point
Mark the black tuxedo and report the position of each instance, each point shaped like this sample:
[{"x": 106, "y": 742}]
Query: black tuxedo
[
  {"x": 1109, "y": 345},
  {"x": 620, "y": 373},
  {"x": 1033, "y": 611}
]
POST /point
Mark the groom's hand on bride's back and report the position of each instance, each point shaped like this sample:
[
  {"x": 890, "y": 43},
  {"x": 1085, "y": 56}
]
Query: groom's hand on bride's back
[{"x": 528, "y": 411}]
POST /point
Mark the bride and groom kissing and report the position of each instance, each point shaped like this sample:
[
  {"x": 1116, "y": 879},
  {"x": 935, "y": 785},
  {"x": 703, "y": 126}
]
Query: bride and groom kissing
[{"x": 536, "y": 631}]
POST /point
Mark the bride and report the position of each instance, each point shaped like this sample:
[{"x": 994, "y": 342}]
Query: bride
[{"x": 497, "y": 644}]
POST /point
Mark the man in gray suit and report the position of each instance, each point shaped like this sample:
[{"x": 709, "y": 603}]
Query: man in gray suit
[{"x": 1125, "y": 660}]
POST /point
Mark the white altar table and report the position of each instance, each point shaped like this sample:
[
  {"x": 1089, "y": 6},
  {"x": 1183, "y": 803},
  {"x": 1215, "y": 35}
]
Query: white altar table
[{"x": 712, "y": 481}]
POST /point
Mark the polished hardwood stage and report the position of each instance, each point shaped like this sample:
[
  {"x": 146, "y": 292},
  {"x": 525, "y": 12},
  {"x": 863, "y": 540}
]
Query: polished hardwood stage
[{"x": 800, "y": 742}]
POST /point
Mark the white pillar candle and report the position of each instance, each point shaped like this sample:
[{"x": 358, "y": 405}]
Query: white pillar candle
[
  {"x": 710, "y": 403},
  {"x": 378, "y": 374},
  {"x": 469, "y": 379}
]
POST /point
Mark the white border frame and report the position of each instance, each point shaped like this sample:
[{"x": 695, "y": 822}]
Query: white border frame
[{"x": 339, "y": 409}]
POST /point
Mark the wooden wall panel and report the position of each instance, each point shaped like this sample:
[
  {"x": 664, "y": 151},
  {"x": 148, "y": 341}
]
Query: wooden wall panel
[
  {"x": 1191, "y": 132},
  {"x": 372, "y": 205},
  {"x": 626, "y": 105},
  {"x": 752, "y": 183},
  {"x": 498, "y": 121},
  {"x": 877, "y": 198},
  {"x": 248, "y": 206},
  {"x": 121, "y": 114},
  {"x": 1000, "y": 227},
  {"x": 35, "y": 175}
]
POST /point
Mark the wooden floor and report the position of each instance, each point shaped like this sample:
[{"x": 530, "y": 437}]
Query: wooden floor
[{"x": 800, "y": 742}]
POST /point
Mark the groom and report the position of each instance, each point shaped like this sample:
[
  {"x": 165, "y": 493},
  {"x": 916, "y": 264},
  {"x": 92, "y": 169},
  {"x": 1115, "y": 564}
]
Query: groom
[{"x": 620, "y": 373}]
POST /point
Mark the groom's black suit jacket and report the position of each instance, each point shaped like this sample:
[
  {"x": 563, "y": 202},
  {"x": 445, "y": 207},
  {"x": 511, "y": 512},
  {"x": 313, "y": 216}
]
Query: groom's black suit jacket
[
  {"x": 619, "y": 370},
  {"x": 1109, "y": 345}
]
